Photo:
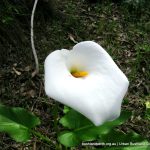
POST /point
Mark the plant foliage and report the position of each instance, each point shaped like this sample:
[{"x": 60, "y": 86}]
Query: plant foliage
[
  {"x": 82, "y": 130},
  {"x": 17, "y": 122}
]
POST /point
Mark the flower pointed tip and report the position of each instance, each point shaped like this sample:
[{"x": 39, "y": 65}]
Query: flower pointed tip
[{"x": 98, "y": 123}]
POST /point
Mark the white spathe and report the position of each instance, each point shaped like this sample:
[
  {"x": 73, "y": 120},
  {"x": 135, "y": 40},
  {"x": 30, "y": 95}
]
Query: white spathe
[{"x": 99, "y": 95}]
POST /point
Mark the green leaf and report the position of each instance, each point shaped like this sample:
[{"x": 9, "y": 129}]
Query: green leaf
[
  {"x": 120, "y": 137},
  {"x": 121, "y": 141},
  {"x": 17, "y": 122},
  {"x": 126, "y": 101},
  {"x": 66, "y": 109},
  {"x": 85, "y": 130},
  {"x": 69, "y": 139},
  {"x": 74, "y": 120},
  {"x": 106, "y": 127},
  {"x": 92, "y": 132}
]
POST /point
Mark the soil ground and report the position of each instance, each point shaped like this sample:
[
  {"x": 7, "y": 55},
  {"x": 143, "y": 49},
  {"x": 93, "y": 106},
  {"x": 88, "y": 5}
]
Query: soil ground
[{"x": 122, "y": 29}]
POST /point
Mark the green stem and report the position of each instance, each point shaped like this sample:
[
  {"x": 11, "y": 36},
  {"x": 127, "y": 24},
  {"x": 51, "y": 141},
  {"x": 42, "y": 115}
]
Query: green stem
[{"x": 42, "y": 137}]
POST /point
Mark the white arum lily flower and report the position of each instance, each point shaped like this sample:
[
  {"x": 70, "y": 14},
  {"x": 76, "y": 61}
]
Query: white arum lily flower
[{"x": 87, "y": 80}]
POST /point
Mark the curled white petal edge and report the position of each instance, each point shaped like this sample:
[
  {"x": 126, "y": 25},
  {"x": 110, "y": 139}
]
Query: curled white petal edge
[{"x": 80, "y": 94}]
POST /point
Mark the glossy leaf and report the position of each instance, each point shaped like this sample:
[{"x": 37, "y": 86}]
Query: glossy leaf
[
  {"x": 68, "y": 139},
  {"x": 74, "y": 120},
  {"x": 17, "y": 122},
  {"x": 125, "y": 141},
  {"x": 84, "y": 130},
  {"x": 117, "y": 136}
]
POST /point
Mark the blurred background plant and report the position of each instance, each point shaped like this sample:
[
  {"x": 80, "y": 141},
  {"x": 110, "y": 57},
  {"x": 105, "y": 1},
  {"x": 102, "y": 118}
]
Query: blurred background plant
[
  {"x": 15, "y": 24},
  {"x": 14, "y": 20}
]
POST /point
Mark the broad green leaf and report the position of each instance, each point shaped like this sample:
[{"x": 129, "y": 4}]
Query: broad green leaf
[
  {"x": 125, "y": 141},
  {"x": 68, "y": 139},
  {"x": 17, "y": 122},
  {"x": 120, "y": 137},
  {"x": 74, "y": 120},
  {"x": 85, "y": 130},
  {"x": 106, "y": 127},
  {"x": 90, "y": 132}
]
